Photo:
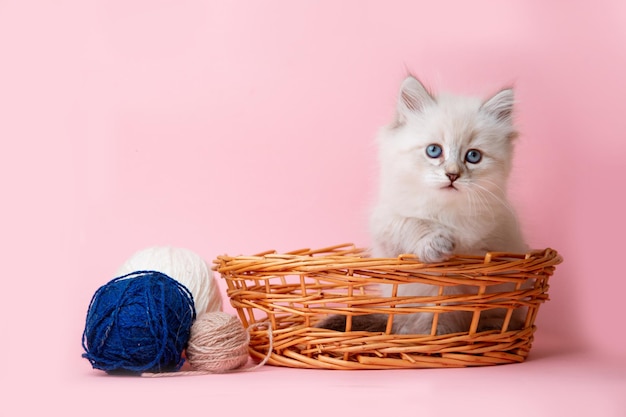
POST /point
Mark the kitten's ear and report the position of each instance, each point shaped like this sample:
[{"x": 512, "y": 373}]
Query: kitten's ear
[
  {"x": 500, "y": 106},
  {"x": 412, "y": 99}
]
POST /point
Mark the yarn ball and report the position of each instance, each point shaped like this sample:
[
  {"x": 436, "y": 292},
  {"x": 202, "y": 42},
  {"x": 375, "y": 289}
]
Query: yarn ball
[
  {"x": 218, "y": 343},
  {"x": 184, "y": 266},
  {"x": 139, "y": 322}
]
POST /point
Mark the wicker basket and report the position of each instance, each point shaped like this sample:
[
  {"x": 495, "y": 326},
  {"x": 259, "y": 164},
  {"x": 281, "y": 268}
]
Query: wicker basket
[{"x": 292, "y": 292}]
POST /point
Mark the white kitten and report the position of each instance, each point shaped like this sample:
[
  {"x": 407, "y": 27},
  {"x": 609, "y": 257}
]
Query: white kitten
[
  {"x": 444, "y": 164},
  {"x": 444, "y": 167}
]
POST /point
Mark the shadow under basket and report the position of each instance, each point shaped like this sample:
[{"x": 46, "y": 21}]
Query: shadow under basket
[{"x": 289, "y": 294}]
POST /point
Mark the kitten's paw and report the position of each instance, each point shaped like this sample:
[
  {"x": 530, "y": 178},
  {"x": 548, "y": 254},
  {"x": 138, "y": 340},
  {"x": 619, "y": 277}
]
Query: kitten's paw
[{"x": 437, "y": 246}]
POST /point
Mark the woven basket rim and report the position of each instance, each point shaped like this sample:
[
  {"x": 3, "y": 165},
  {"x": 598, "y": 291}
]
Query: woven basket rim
[
  {"x": 291, "y": 291},
  {"x": 349, "y": 256}
]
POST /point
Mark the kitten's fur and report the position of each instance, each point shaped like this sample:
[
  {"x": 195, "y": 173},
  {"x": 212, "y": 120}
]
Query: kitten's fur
[{"x": 434, "y": 207}]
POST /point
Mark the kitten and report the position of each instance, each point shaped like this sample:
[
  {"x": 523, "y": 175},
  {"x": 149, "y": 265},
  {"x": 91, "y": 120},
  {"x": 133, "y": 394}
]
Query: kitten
[{"x": 444, "y": 164}]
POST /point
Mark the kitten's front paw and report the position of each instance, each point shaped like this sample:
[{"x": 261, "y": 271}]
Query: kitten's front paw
[{"x": 436, "y": 246}]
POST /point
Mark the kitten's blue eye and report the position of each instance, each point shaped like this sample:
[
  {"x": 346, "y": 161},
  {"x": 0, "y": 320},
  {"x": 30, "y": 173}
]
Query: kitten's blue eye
[
  {"x": 473, "y": 156},
  {"x": 434, "y": 151}
]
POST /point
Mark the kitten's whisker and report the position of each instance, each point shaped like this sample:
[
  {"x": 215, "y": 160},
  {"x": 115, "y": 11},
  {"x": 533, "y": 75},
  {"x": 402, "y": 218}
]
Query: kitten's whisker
[
  {"x": 496, "y": 197},
  {"x": 492, "y": 183},
  {"x": 473, "y": 203},
  {"x": 478, "y": 197}
]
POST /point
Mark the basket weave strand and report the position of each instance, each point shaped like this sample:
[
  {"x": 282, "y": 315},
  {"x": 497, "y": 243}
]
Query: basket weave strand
[{"x": 293, "y": 291}]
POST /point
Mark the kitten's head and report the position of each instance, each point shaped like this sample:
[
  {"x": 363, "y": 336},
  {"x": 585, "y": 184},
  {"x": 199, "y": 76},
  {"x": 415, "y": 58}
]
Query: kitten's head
[{"x": 445, "y": 151}]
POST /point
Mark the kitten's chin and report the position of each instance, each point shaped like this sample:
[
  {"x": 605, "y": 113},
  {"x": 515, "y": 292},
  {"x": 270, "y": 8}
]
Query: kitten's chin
[{"x": 449, "y": 194}]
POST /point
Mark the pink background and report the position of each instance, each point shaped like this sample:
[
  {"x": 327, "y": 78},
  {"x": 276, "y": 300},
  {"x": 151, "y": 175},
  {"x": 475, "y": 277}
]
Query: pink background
[{"x": 236, "y": 127}]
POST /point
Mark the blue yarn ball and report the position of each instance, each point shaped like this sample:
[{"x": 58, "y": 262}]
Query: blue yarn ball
[{"x": 139, "y": 322}]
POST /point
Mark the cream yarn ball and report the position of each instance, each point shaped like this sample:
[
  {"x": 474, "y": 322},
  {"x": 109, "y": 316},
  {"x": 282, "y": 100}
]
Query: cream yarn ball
[
  {"x": 218, "y": 343},
  {"x": 184, "y": 266}
]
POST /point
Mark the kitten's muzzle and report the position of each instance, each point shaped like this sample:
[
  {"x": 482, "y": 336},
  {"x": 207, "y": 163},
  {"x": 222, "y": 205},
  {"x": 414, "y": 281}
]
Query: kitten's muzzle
[{"x": 452, "y": 177}]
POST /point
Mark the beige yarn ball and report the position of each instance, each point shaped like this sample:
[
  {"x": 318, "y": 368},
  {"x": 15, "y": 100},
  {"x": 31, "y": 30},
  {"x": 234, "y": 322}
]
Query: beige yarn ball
[
  {"x": 218, "y": 343},
  {"x": 184, "y": 266}
]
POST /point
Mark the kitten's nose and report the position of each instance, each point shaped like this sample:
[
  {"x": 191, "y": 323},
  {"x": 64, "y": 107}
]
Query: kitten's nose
[{"x": 452, "y": 177}]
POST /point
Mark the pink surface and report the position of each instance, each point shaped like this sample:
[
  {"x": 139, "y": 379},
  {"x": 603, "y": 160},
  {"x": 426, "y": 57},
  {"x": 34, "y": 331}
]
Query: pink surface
[{"x": 236, "y": 127}]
